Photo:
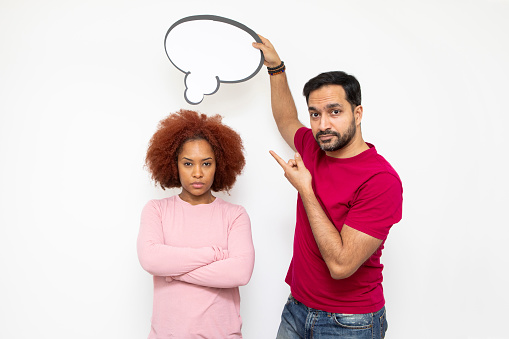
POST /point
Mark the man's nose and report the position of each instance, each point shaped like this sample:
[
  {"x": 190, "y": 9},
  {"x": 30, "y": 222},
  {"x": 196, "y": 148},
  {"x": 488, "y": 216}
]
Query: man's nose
[{"x": 324, "y": 123}]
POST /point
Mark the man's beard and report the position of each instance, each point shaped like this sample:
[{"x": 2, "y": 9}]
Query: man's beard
[{"x": 339, "y": 142}]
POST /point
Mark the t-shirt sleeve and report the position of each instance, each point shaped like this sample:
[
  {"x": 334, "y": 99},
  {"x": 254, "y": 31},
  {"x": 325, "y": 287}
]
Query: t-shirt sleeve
[
  {"x": 377, "y": 206},
  {"x": 301, "y": 138}
]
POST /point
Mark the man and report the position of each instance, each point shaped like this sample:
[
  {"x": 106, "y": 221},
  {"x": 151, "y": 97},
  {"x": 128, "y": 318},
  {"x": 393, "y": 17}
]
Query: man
[{"x": 349, "y": 197}]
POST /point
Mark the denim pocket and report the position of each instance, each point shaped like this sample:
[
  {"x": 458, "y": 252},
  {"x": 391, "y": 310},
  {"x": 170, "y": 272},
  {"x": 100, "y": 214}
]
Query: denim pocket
[
  {"x": 354, "y": 321},
  {"x": 290, "y": 299},
  {"x": 383, "y": 325}
]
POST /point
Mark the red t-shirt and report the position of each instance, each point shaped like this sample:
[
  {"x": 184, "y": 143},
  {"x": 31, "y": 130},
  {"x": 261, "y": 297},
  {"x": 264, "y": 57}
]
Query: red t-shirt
[{"x": 363, "y": 192}]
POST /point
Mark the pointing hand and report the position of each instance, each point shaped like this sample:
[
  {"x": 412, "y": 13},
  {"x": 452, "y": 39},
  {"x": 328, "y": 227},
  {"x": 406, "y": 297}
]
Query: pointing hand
[{"x": 295, "y": 171}]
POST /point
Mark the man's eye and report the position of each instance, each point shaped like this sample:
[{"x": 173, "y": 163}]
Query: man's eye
[
  {"x": 336, "y": 111},
  {"x": 315, "y": 115}
]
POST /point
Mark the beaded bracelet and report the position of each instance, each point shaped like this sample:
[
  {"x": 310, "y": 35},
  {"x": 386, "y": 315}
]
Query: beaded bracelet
[
  {"x": 278, "y": 69},
  {"x": 275, "y": 68},
  {"x": 282, "y": 70}
]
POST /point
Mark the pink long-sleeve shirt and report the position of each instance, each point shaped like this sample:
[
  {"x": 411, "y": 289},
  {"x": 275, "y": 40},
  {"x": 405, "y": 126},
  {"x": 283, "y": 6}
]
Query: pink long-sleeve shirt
[{"x": 198, "y": 255}]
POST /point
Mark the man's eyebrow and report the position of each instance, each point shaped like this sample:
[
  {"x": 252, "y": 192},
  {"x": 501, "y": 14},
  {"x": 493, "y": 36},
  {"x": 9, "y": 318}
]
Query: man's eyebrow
[
  {"x": 329, "y": 106},
  {"x": 334, "y": 105}
]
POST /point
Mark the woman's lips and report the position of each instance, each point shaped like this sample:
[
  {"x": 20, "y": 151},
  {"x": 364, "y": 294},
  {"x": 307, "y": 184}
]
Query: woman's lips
[{"x": 197, "y": 184}]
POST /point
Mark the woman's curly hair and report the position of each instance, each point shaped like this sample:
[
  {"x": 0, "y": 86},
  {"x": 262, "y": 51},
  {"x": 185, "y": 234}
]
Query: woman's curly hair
[{"x": 172, "y": 132}]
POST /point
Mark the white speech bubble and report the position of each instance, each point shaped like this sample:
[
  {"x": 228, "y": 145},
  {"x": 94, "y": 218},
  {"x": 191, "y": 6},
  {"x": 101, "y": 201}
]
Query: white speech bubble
[{"x": 211, "y": 49}]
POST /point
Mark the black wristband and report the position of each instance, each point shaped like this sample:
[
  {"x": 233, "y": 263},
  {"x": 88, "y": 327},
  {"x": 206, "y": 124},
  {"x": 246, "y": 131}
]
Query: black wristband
[
  {"x": 277, "y": 67},
  {"x": 277, "y": 71}
]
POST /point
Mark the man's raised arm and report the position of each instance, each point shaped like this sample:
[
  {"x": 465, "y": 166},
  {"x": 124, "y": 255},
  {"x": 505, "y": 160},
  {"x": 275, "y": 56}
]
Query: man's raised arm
[{"x": 283, "y": 106}]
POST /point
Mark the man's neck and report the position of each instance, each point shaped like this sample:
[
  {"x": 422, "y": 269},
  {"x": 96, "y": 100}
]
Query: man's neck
[{"x": 354, "y": 148}]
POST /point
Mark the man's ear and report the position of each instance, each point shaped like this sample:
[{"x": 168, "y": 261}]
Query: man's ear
[{"x": 357, "y": 113}]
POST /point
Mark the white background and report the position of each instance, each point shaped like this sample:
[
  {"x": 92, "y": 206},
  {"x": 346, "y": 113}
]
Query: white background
[{"x": 83, "y": 85}]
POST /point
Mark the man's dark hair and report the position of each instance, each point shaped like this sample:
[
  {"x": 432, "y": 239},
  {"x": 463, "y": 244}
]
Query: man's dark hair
[{"x": 348, "y": 82}]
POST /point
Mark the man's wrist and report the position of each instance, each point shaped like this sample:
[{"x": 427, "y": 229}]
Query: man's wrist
[
  {"x": 280, "y": 68},
  {"x": 275, "y": 66},
  {"x": 306, "y": 190}
]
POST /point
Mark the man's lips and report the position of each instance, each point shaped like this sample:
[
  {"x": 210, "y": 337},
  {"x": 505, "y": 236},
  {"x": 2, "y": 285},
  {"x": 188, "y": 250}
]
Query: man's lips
[{"x": 325, "y": 137}]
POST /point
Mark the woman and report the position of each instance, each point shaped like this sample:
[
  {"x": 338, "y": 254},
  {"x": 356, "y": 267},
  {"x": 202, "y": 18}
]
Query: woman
[{"x": 198, "y": 247}]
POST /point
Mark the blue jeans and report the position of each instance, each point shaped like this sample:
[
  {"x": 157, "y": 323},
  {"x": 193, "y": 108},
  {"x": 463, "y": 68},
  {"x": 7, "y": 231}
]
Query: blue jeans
[{"x": 300, "y": 321}]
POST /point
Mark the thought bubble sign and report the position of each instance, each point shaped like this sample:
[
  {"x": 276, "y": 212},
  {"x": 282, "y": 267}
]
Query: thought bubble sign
[{"x": 210, "y": 50}]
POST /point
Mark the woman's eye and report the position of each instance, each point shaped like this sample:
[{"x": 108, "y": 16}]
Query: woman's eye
[{"x": 207, "y": 164}]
